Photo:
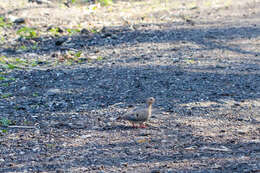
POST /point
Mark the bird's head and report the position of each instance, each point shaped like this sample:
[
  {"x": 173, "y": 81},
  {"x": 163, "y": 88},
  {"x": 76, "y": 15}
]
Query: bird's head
[{"x": 150, "y": 100}]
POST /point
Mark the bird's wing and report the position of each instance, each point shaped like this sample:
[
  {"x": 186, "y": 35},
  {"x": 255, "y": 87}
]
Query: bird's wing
[{"x": 137, "y": 115}]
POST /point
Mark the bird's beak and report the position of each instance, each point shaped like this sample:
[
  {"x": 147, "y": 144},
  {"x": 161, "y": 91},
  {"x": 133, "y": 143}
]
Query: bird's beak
[{"x": 118, "y": 118}]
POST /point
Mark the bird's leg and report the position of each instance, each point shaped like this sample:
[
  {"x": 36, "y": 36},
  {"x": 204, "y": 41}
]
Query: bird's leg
[
  {"x": 142, "y": 125},
  {"x": 133, "y": 125}
]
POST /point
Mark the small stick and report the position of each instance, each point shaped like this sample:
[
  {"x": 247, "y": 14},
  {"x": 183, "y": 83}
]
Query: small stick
[{"x": 23, "y": 127}]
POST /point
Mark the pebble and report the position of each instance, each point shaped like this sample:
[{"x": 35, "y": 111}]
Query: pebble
[{"x": 53, "y": 91}]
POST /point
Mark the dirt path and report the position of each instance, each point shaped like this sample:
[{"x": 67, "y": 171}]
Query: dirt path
[{"x": 63, "y": 87}]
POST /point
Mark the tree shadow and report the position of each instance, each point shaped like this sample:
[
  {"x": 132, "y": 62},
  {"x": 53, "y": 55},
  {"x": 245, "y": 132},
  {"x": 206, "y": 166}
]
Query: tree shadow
[
  {"x": 207, "y": 39},
  {"x": 90, "y": 93},
  {"x": 187, "y": 153}
]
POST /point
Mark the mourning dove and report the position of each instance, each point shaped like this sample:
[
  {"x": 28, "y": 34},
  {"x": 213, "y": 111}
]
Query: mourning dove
[{"x": 140, "y": 115}]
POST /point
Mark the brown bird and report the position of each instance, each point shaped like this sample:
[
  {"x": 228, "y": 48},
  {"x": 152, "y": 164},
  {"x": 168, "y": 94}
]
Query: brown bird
[{"x": 140, "y": 115}]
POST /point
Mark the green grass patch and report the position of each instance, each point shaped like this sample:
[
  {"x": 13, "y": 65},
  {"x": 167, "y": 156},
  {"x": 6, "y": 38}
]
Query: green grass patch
[
  {"x": 94, "y": 30},
  {"x": 100, "y": 58},
  {"x": 4, "y": 24},
  {"x": 5, "y": 84},
  {"x": 13, "y": 63},
  {"x": 72, "y": 31},
  {"x": 11, "y": 66},
  {"x": 7, "y": 95},
  {"x": 5, "y": 80},
  {"x": 2, "y": 78},
  {"x": 105, "y": 2},
  {"x": 27, "y": 32},
  {"x": 55, "y": 31},
  {"x": 78, "y": 54},
  {"x": 35, "y": 94},
  {"x": 5, "y": 122},
  {"x": 4, "y": 131},
  {"x": 23, "y": 47}
]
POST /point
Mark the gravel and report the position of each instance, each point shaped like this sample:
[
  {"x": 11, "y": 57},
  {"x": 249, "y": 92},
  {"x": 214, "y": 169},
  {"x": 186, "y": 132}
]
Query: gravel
[{"x": 204, "y": 75}]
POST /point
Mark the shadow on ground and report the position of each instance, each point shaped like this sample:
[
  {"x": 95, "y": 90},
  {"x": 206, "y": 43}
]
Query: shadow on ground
[
  {"x": 86, "y": 93},
  {"x": 182, "y": 152},
  {"x": 210, "y": 38}
]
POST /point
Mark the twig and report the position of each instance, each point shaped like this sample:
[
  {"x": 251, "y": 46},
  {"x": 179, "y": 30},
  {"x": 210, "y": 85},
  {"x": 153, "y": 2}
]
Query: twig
[{"x": 23, "y": 127}]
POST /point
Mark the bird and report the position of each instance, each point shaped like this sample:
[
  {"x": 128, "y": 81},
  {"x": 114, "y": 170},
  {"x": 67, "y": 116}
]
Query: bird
[{"x": 140, "y": 115}]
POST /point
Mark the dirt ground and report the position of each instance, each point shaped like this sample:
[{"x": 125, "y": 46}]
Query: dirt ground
[{"x": 67, "y": 73}]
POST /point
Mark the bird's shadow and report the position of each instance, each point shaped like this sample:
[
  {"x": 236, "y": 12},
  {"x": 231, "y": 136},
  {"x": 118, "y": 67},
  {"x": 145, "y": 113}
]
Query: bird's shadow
[
  {"x": 123, "y": 127},
  {"x": 117, "y": 127}
]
